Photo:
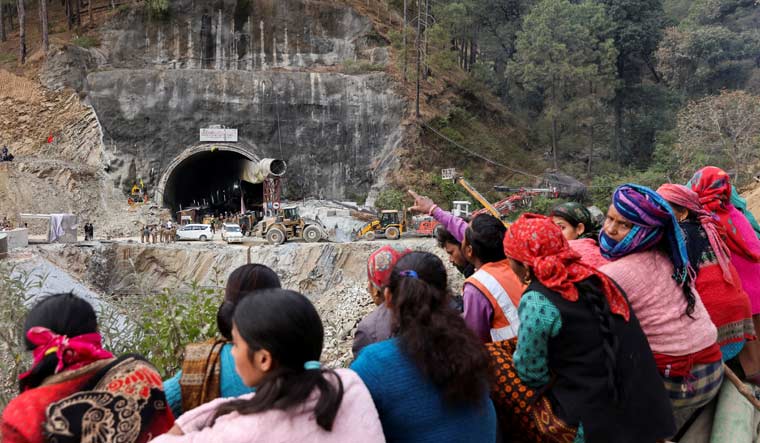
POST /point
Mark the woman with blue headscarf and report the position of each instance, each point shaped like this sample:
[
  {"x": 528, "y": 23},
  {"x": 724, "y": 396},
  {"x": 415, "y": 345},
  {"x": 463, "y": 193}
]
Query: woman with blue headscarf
[{"x": 651, "y": 264}]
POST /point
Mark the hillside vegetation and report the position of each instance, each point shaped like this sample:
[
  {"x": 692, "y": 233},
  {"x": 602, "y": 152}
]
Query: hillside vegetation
[{"x": 604, "y": 90}]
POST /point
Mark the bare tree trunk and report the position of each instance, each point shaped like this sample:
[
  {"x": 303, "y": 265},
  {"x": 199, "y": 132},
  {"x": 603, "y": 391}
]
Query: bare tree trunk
[
  {"x": 427, "y": 17},
  {"x": 69, "y": 19},
  {"x": 474, "y": 49},
  {"x": 79, "y": 14},
  {"x": 554, "y": 143},
  {"x": 405, "y": 49},
  {"x": 9, "y": 10},
  {"x": 590, "y": 149},
  {"x": 44, "y": 26},
  {"x": 2, "y": 23},
  {"x": 419, "y": 53},
  {"x": 21, "y": 32}
]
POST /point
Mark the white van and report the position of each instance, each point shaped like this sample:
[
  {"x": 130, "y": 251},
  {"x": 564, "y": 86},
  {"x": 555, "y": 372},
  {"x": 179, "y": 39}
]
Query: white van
[
  {"x": 195, "y": 232},
  {"x": 231, "y": 233}
]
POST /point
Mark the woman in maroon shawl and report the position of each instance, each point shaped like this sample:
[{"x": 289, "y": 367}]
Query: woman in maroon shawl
[{"x": 76, "y": 391}]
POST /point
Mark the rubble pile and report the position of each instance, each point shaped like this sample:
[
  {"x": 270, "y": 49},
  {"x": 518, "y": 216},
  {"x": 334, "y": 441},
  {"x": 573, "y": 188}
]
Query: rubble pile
[{"x": 332, "y": 275}]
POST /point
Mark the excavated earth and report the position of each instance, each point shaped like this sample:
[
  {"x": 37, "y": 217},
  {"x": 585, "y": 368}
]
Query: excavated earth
[{"x": 332, "y": 275}]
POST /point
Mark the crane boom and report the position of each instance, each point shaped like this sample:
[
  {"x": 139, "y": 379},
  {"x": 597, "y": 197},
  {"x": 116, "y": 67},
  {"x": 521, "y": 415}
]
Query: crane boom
[{"x": 479, "y": 197}]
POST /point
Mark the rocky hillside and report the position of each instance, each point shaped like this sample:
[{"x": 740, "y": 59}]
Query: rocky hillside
[{"x": 333, "y": 276}]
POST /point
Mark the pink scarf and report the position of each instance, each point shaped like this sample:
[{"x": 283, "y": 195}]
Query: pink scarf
[
  {"x": 686, "y": 198},
  {"x": 72, "y": 353}
]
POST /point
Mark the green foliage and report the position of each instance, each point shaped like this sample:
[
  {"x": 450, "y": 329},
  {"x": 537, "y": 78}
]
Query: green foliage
[
  {"x": 704, "y": 59},
  {"x": 15, "y": 288},
  {"x": 169, "y": 320},
  {"x": 158, "y": 9},
  {"x": 354, "y": 67},
  {"x": 392, "y": 199},
  {"x": 6, "y": 57},
  {"x": 85, "y": 41},
  {"x": 603, "y": 185},
  {"x": 565, "y": 54}
]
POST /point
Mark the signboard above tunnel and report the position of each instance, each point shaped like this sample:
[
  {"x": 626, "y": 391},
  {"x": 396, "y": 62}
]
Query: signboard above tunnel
[{"x": 219, "y": 135}]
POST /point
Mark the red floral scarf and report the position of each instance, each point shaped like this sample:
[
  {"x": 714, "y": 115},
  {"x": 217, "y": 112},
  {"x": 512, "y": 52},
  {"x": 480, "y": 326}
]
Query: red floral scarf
[{"x": 538, "y": 242}]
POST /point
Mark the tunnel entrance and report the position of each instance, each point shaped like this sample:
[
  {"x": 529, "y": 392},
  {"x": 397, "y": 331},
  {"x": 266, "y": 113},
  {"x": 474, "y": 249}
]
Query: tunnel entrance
[{"x": 212, "y": 181}]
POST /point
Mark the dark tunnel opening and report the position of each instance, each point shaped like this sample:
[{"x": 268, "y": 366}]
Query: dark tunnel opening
[{"x": 212, "y": 182}]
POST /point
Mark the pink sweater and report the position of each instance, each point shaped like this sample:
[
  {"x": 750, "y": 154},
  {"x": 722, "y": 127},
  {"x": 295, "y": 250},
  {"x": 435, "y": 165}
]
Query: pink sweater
[
  {"x": 659, "y": 304},
  {"x": 749, "y": 271},
  {"x": 357, "y": 421}
]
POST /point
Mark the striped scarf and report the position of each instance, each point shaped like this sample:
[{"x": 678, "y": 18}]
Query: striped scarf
[
  {"x": 682, "y": 196},
  {"x": 653, "y": 220}
]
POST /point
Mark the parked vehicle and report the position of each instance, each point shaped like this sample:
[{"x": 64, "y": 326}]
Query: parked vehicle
[
  {"x": 195, "y": 232},
  {"x": 231, "y": 233},
  {"x": 289, "y": 225}
]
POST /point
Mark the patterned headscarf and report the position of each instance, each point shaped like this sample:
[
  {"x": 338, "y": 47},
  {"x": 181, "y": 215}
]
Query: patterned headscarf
[
  {"x": 653, "y": 220},
  {"x": 381, "y": 263},
  {"x": 682, "y": 196},
  {"x": 538, "y": 242},
  {"x": 72, "y": 353},
  {"x": 714, "y": 188},
  {"x": 575, "y": 213}
]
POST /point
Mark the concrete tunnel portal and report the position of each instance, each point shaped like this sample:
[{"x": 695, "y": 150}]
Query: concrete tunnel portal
[{"x": 216, "y": 180}]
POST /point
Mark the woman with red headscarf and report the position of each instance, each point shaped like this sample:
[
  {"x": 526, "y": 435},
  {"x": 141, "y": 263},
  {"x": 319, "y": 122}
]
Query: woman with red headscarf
[
  {"x": 717, "y": 281},
  {"x": 76, "y": 391},
  {"x": 713, "y": 186},
  {"x": 581, "y": 369}
]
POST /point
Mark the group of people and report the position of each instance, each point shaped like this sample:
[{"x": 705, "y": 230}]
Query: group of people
[
  {"x": 560, "y": 335},
  {"x": 162, "y": 233},
  {"x": 89, "y": 231}
]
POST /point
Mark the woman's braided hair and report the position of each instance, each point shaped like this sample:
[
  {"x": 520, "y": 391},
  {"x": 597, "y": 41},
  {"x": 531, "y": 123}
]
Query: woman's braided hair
[{"x": 595, "y": 299}]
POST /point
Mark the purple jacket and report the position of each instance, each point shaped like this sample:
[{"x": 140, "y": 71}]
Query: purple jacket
[{"x": 478, "y": 312}]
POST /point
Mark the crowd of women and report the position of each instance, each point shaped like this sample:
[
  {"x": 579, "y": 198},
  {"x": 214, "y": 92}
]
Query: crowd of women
[{"x": 561, "y": 334}]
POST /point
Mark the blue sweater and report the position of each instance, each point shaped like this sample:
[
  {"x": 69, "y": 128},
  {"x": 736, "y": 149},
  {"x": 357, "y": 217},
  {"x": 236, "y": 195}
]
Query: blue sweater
[
  {"x": 230, "y": 383},
  {"x": 411, "y": 408}
]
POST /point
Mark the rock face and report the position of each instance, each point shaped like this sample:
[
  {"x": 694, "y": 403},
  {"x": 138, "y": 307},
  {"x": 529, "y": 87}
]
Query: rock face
[
  {"x": 333, "y": 276},
  {"x": 268, "y": 68}
]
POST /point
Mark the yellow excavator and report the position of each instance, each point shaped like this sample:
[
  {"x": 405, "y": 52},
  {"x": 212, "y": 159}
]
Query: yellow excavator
[{"x": 390, "y": 224}]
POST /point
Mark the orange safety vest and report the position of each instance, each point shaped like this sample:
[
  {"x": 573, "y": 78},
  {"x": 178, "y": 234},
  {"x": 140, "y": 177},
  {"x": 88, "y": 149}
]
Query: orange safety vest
[{"x": 503, "y": 290}]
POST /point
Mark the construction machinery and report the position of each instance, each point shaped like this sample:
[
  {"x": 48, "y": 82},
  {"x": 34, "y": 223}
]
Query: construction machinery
[
  {"x": 451, "y": 174},
  {"x": 288, "y": 224},
  {"x": 390, "y": 224}
]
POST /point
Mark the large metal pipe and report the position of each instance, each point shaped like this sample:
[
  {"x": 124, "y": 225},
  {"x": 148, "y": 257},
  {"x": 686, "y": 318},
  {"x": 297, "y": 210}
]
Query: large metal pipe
[
  {"x": 258, "y": 172},
  {"x": 273, "y": 166}
]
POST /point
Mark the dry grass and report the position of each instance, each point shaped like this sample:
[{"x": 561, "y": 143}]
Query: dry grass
[{"x": 18, "y": 88}]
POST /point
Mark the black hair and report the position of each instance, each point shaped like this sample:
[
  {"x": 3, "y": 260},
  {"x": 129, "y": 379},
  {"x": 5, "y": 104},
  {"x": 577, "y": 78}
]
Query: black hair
[
  {"x": 574, "y": 213},
  {"x": 429, "y": 329},
  {"x": 242, "y": 282},
  {"x": 443, "y": 236},
  {"x": 286, "y": 324},
  {"x": 486, "y": 235},
  {"x": 64, "y": 314},
  {"x": 590, "y": 290}
]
